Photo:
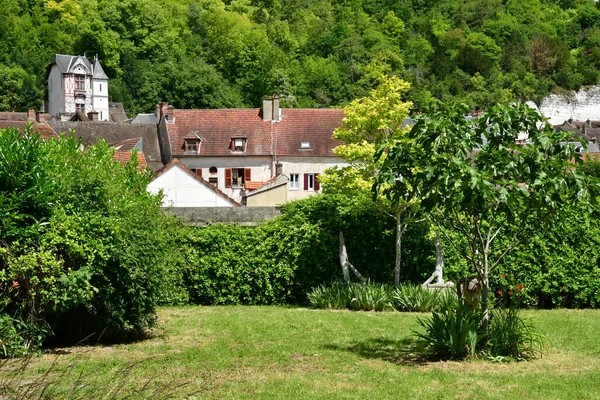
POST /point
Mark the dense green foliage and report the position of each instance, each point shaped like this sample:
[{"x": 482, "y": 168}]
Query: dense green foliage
[
  {"x": 210, "y": 53},
  {"x": 280, "y": 261},
  {"x": 83, "y": 247}
]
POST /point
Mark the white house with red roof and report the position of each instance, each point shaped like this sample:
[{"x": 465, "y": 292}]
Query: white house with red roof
[
  {"x": 241, "y": 150},
  {"x": 183, "y": 188}
]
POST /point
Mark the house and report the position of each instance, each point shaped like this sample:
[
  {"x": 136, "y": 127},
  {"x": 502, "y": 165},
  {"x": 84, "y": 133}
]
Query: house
[
  {"x": 75, "y": 84},
  {"x": 182, "y": 187},
  {"x": 241, "y": 150}
]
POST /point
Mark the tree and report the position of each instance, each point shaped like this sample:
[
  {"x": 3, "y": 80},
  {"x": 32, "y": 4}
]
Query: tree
[
  {"x": 480, "y": 179},
  {"x": 371, "y": 122}
]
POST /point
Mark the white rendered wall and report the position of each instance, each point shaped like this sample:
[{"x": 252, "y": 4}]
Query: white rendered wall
[
  {"x": 100, "y": 98},
  {"x": 182, "y": 190},
  {"x": 260, "y": 169}
]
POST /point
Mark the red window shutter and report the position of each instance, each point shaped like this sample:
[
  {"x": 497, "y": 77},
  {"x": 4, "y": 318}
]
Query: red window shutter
[
  {"x": 305, "y": 181},
  {"x": 247, "y": 175},
  {"x": 199, "y": 172},
  {"x": 228, "y": 177},
  {"x": 317, "y": 186}
]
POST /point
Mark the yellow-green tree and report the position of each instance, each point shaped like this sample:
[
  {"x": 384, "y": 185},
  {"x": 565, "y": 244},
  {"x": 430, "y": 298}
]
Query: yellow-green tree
[{"x": 371, "y": 122}]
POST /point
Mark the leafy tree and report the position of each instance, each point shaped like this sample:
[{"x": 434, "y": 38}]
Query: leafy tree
[
  {"x": 480, "y": 179},
  {"x": 370, "y": 123}
]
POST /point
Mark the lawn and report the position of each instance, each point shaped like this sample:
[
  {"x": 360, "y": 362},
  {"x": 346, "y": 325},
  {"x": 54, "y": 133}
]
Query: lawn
[{"x": 273, "y": 352}]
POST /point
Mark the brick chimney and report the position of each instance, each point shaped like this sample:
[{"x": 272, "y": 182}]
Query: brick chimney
[
  {"x": 93, "y": 115},
  {"x": 170, "y": 117},
  {"x": 31, "y": 114}
]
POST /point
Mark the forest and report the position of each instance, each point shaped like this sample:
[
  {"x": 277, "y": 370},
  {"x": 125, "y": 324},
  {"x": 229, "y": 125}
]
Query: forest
[{"x": 312, "y": 53}]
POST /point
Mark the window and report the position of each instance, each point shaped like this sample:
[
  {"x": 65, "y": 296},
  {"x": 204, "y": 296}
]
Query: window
[
  {"x": 212, "y": 170},
  {"x": 305, "y": 145},
  {"x": 294, "y": 182},
  {"x": 191, "y": 145},
  {"x": 236, "y": 177},
  {"x": 311, "y": 182},
  {"x": 238, "y": 144},
  {"x": 101, "y": 87},
  {"x": 214, "y": 181},
  {"x": 79, "y": 82},
  {"x": 197, "y": 171},
  {"x": 80, "y": 107}
]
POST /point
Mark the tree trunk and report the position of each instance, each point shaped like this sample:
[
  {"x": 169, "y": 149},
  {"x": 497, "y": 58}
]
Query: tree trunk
[
  {"x": 485, "y": 319},
  {"x": 400, "y": 227}
]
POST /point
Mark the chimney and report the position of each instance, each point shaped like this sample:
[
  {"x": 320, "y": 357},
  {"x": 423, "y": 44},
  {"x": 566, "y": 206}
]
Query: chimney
[
  {"x": 170, "y": 117},
  {"x": 31, "y": 114},
  {"x": 157, "y": 111},
  {"x": 278, "y": 169},
  {"x": 275, "y": 108},
  {"x": 267, "y": 109},
  {"x": 93, "y": 115},
  {"x": 594, "y": 139}
]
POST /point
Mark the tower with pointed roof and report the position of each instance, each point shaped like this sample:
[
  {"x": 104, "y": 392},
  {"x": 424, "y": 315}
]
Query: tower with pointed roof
[{"x": 76, "y": 85}]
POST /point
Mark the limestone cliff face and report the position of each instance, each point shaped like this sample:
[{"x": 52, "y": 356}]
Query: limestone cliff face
[{"x": 580, "y": 106}]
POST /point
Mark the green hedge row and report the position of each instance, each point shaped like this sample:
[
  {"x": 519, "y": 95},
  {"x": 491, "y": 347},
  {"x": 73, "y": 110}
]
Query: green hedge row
[{"x": 280, "y": 261}]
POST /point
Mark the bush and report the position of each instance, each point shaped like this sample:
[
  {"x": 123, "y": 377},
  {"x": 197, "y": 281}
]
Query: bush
[
  {"x": 416, "y": 298},
  {"x": 452, "y": 333},
  {"x": 379, "y": 297},
  {"x": 371, "y": 297},
  {"x": 512, "y": 336},
  {"x": 84, "y": 248}
]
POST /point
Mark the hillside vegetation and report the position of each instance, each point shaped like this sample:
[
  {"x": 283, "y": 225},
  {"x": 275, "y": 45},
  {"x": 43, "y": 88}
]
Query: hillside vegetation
[{"x": 313, "y": 53}]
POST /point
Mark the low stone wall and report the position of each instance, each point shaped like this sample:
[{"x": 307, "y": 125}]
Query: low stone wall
[{"x": 226, "y": 215}]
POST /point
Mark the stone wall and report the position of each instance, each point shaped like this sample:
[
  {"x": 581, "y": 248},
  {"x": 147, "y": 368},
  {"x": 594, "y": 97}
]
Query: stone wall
[{"x": 226, "y": 215}]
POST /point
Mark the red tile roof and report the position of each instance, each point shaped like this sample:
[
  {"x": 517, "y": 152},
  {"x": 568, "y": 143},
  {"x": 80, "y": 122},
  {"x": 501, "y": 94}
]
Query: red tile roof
[
  {"x": 218, "y": 127},
  {"x": 252, "y": 185},
  {"x": 175, "y": 162},
  {"x": 125, "y": 156}
]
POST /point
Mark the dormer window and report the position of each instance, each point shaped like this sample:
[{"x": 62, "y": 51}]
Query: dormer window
[
  {"x": 238, "y": 144},
  {"x": 191, "y": 145},
  {"x": 192, "y": 142},
  {"x": 305, "y": 145}
]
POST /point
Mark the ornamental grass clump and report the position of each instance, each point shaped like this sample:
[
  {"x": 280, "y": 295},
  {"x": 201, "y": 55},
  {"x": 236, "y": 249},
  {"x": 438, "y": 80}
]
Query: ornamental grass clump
[
  {"x": 370, "y": 297},
  {"x": 456, "y": 333},
  {"x": 415, "y": 298},
  {"x": 513, "y": 336},
  {"x": 451, "y": 333}
]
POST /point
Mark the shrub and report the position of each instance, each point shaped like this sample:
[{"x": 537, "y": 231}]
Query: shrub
[
  {"x": 512, "y": 336},
  {"x": 451, "y": 333},
  {"x": 415, "y": 298},
  {"x": 454, "y": 333},
  {"x": 84, "y": 247},
  {"x": 371, "y": 297}
]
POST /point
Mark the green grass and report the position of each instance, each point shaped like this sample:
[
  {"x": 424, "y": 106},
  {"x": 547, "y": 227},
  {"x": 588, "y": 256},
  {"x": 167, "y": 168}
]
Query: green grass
[{"x": 292, "y": 353}]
